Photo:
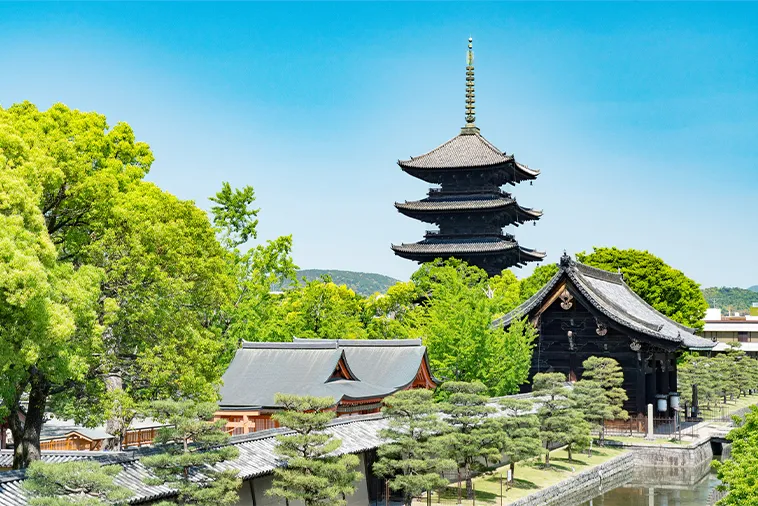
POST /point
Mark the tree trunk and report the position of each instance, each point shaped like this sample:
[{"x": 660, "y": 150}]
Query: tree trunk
[
  {"x": 547, "y": 454},
  {"x": 568, "y": 449},
  {"x": 513, "y": 472},
  {"x": 26, "y": 434},
  {"x": 469, "y": 483},
  {"x": 114, "y": 425}
]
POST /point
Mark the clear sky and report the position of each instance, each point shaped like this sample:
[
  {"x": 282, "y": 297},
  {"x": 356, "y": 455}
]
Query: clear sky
[{"x": 642, "y": 117}]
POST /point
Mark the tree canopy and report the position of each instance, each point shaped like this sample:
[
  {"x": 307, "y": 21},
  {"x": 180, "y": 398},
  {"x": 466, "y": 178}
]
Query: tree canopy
[{"x": 666, "y": 289}]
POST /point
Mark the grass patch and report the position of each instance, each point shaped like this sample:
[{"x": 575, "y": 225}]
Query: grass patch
[
  {"x": 642, "y": 441},
  {"x": 531, "y": 475},
  {"x": 731, "y": 405}
]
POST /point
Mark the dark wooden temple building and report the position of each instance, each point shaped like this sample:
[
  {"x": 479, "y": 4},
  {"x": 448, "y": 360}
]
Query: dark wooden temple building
[
  {"x": 469, "y": 206},
  {"x": 583, "y": 311}
]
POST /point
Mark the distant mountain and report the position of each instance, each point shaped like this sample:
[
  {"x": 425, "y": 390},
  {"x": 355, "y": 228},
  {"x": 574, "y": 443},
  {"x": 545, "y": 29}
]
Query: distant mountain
[
  {"x": 363, "y": 283},
  {"x": 731, "y": 299}
]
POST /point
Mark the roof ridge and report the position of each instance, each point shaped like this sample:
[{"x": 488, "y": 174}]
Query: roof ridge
[
  {"x": 349, "y": 343},
  {"x": 491, "y": 146},
  {"x": 598, "y": 273},
  {"x": 431, "y": 150},
  {"x": 325, "y": 344}
]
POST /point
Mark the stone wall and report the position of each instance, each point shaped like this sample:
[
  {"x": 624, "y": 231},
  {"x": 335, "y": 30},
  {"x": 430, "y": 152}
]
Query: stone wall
[{"x": 584, "y": 485}]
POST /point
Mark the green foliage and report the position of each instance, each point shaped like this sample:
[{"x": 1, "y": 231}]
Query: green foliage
[
  {"x": 600, "y": 394},
  {"x": 738, "y": 474},
  {"x": 413, "y": 460},
  {"x": 312, "y": 474},
  {"x": 731, "y": 299},
  {"x": 114, "y": 285},
  {"x": 362, "y": 283},
  {"x": 539, "y": 278},
  {"x": 190, "y": 443},
  {"x": 82, "y": 483},
  {"x": 473, "y": 435},
  {"x": 560, "y": 420},
  {"x": 456, "y": 323},
  {"x": 520, "y": 432},
  {"x": 663, "y": 287}
]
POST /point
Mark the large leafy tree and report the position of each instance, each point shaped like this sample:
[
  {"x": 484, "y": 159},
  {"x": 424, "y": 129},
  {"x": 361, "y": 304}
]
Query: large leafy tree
[
  {"x": 127, "y": 278},
  {"x": 189, "y": 445},
  {"x": 313, "y": 474},
  {"x": 83, "y": 483},
  {"x": 474, "y": 435},
  {"x": 414, "y": 457},
  {"x": 456, "y": 322},
  {"x": 666, "y": 289}
]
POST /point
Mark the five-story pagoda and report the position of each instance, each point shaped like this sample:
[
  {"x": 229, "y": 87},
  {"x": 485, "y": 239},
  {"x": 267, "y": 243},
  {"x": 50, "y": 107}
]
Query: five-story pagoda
[{"x": 469, "y": 207}]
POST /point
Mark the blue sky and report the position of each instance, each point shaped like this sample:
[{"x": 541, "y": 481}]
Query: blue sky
[{"x": 642, "y": 117}]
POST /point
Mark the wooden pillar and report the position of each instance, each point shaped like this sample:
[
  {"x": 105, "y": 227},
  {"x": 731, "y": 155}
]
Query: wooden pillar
[
  {"x": 665, "y": 375},
  {"x": 672, "y": 375},
  {"x": 641, "y": 393}
]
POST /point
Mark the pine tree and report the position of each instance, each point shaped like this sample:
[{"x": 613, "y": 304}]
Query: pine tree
[
  {"x": 190, "y": 444},
  {"x": 413, "y": 459},
  {"x": 521, "y": 431},
  {"x": 313, "y": 474},
  {"x": 83, "y": 483},
  {"x": 605, "y": 374},
  {"x": 474, "y": 435},
  {"x": 557, "y": 413}
]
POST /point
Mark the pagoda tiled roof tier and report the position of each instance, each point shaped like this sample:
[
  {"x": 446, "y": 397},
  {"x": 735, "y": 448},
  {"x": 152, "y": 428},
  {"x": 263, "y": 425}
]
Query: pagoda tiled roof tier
[
  {"x": 428, "y": 208},
  {"x": 503, "y": 253},
  {"x": 468, "y": 150}
]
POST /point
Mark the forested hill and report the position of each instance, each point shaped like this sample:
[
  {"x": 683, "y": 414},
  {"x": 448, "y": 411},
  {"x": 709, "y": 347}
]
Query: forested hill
[
  {"x": 731, "y": 299},
  {"x": 363, "y": 283}
]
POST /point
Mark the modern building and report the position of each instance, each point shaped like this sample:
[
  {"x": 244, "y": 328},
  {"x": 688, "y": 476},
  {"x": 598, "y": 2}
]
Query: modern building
[
  {"x": 357, "y": 374},
  {"x": 469, "y": 207},
  {"x": 583, "y": 311},
  {"x": 729, "y": 330}
]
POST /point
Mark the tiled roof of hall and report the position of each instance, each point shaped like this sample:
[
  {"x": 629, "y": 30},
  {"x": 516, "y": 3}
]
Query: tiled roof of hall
[
  {"x": 260, "y": 370},
  {"x": 464, "y": 203},
  {"x": 469, "y": 149},
  {"x": 467, "y": 246},
  {"x": 609, "y": 294}
]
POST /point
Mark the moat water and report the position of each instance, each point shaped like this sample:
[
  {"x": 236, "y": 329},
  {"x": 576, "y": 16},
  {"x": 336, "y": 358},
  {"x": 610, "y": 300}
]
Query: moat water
[{"x": 659, "y": 490}]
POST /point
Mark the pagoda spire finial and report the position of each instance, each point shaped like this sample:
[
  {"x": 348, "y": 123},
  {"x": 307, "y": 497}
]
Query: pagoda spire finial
[{"x": 470, "y": 127}]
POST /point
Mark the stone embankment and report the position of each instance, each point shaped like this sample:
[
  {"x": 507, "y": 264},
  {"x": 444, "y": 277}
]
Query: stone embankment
[
  {"x": 684, "y": 464},
  {"x": 584, "y": 485}
]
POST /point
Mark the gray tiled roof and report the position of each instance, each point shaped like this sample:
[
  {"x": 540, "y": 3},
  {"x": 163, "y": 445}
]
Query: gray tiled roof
[
  {"x": 453, "y": 246},
  {"x": 304, "y": 367},
  {"x": 466, "y": 150},
  {"x": 256, "y": 458},
  {"x": 57, "y": 456},
  {"x": 459, "y": 203},
  {"x": 608, "y": 293}
]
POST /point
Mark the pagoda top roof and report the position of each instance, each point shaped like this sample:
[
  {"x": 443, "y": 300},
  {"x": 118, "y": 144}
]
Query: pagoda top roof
[
  {"x": 469, "y": 149},
  {"x": 610, "y": 295}
]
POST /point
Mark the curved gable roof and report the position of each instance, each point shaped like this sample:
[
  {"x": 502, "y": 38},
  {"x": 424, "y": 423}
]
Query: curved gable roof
[{"x": 608, "y": 293}]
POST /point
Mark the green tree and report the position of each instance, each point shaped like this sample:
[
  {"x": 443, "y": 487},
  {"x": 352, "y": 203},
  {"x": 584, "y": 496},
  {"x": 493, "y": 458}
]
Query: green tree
[
  {"x": 82, "y": 483},
  {"x": 189, "y": 445},
  {"x": 253, "y": 312},
  {"x": 521, "y": 432},
  {"x": 557, "y": 413},
  {"x": 48, "y": 324},
  {"x": 473, "y": 434},
  {"x": 590, "y": 397},
  {"x": 456, "y": 320},
  {"x": 413, "y": 459},
  {"x": 393, "y": 315},
  {"x": 663, "y": 287},
  {"x": 539, "y": 278},
  {"x": 608, "y": 375},
  {"x": 738, "y": 474},
  {"x": 134, "y": 281},
  {"x": 313, "y": 473}
]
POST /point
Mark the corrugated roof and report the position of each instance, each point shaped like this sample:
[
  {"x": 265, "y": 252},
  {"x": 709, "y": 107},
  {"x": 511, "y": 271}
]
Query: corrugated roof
[
  {"x": 608, "y": 293},
  {"x": 261, "y": 370}
]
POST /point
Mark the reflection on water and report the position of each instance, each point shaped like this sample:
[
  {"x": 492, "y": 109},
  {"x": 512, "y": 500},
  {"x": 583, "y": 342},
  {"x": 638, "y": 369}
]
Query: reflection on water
[{"x": 637, "y": 494}]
